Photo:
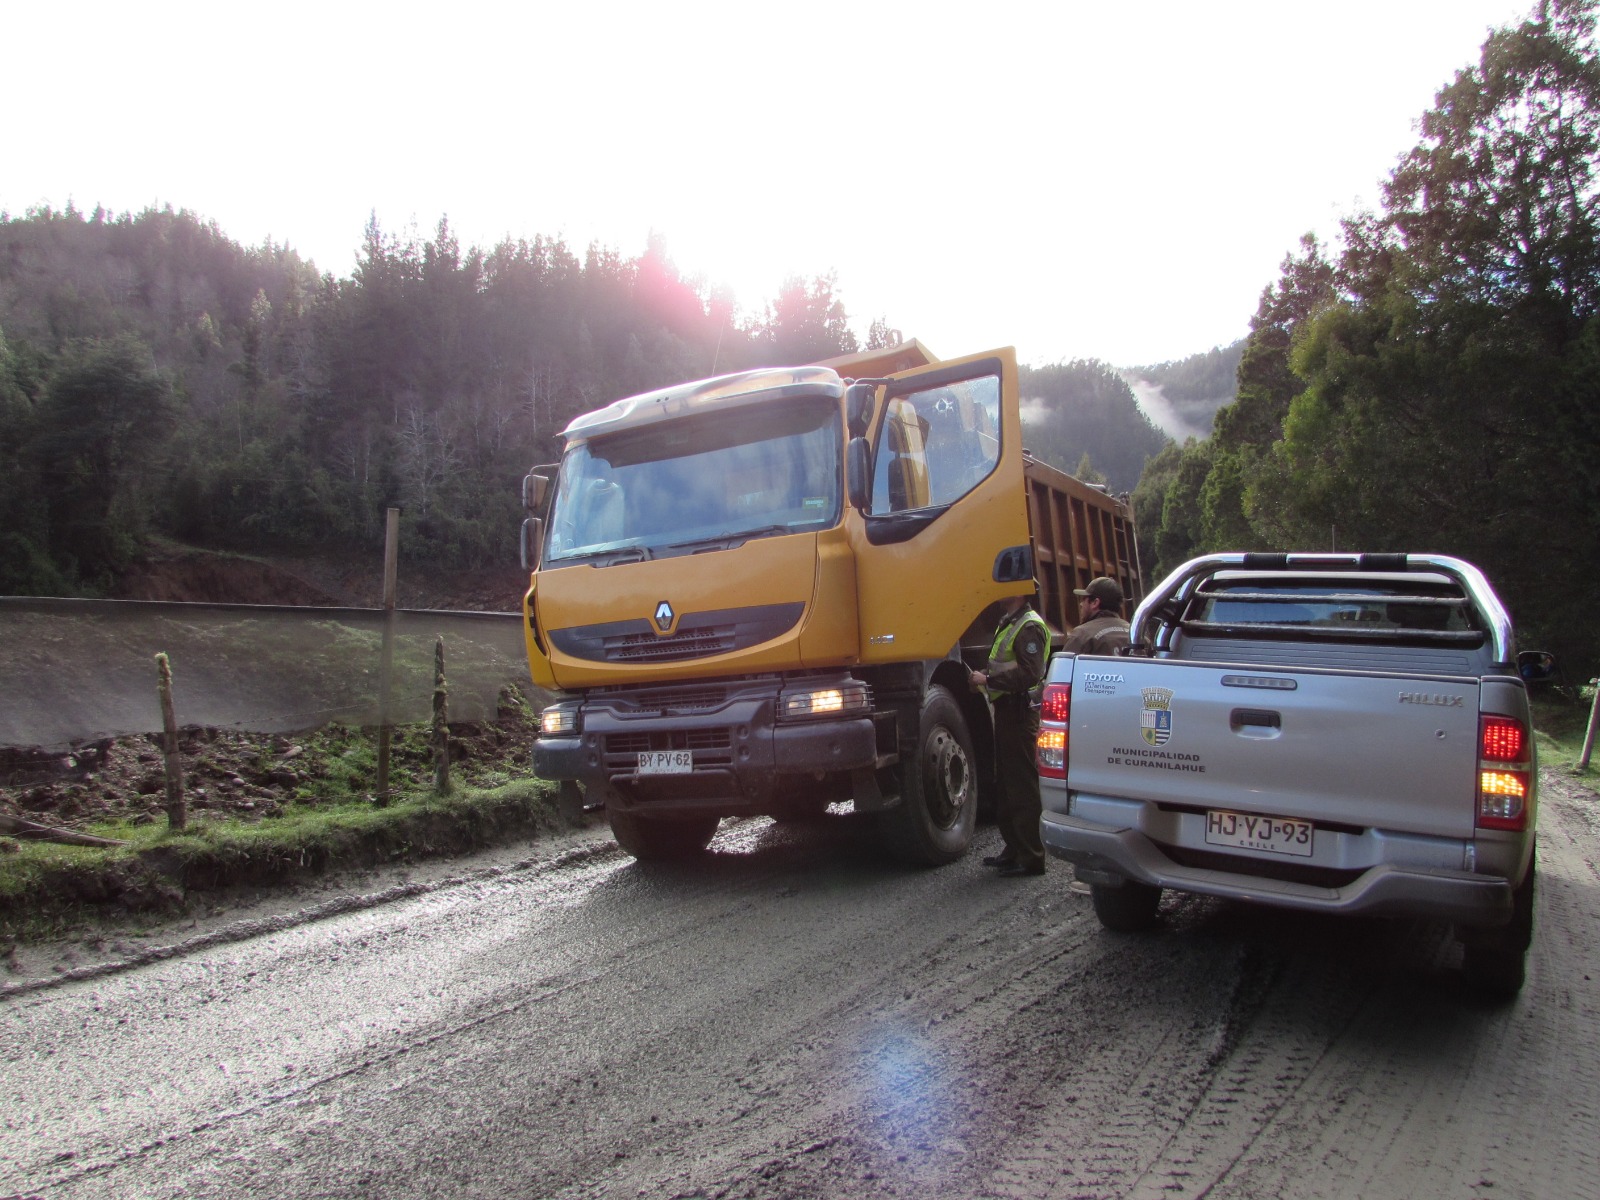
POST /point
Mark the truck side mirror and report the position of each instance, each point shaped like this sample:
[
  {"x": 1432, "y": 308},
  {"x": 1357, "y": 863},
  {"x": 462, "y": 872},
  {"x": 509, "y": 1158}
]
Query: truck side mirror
[
  {"x": 858, "y": 473},
  {"x": 858, "y": 403},
  {"x": 532, "y": 528},
  {"x": 534, "y": 490}
]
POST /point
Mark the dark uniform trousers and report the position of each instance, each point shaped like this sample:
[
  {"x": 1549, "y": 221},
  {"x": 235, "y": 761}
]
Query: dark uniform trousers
[{"x": 1016, "y": 732}]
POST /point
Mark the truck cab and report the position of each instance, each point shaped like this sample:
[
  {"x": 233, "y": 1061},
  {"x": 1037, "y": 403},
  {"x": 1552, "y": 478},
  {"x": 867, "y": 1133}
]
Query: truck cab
[{"x": 756, "y": 594}]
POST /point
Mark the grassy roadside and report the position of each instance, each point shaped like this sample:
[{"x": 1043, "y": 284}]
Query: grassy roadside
[
  {"x": 323, "y": 821},
  {"x": 1559, "y": 727}
]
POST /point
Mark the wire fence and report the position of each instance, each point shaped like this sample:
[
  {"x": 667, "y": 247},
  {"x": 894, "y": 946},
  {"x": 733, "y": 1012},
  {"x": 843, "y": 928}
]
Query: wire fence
[{"x": 74, "y": 671}]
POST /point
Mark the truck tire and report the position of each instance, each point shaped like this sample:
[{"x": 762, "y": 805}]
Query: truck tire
[
  {"x": 655, "y": 839},
  {"x": 1496, "y": 964},
  {"x": 1130, "y": 908},
  {"x": 938, "y": 810}
]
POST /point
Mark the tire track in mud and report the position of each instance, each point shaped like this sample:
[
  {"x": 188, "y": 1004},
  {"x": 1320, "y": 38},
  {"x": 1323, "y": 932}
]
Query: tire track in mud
[
  {"x": 1158, "y": 1123},
  {"x": 1354, "y": 1064},
  {"x": 883, "y": 1090},
  {"x": 1042, "y": 1033},
  {"x": 1436, "y": 1092}
]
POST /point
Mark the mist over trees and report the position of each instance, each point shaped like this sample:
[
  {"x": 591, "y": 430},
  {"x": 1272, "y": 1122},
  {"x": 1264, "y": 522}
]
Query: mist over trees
[
  {"x": 1433, "y": 383},
  {"x": 1081, "y": 416},
  {"x": 1196, "y": 386}
]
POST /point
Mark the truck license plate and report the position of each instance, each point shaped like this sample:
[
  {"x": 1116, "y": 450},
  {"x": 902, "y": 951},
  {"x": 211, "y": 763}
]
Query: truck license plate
[
  {"x": 1245, "y": 831},
  {"x": 666, "y": 762}
]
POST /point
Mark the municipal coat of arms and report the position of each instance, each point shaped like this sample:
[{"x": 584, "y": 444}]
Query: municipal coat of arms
[{"x": 1155, "y": 718}]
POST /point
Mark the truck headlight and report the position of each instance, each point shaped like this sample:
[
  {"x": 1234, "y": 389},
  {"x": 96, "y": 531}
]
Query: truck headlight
[
  {"x": 833, "y": 700},
  {"x": 557, "y": 720}
]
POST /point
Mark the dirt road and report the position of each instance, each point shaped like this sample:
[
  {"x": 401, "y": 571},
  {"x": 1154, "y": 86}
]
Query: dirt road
[{"x": 796, "y": 1018}]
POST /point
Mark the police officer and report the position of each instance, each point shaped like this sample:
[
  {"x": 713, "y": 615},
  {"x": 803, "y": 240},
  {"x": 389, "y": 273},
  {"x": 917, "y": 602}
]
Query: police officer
[
  {"x": 1100, "y": 628},
  {"x": 1016, "y": 667}
]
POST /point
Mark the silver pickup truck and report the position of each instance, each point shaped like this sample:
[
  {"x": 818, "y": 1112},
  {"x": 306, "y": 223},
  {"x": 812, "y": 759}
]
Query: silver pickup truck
[{"x": 1341, "y": 733}]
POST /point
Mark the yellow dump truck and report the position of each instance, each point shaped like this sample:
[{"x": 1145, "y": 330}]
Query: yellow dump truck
[{"x": 762, "y": 593}]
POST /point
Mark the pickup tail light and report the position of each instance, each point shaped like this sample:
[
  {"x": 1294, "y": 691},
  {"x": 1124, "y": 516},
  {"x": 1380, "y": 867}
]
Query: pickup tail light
[
  {"x": 1503, "y": 739},
  {"x": 1503, "y": 774},
  {"x": 1054, "y": 709}
]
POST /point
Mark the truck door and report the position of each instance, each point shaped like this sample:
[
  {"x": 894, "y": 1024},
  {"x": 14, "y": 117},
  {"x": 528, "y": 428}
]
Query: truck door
[{"x": 945, "y": 531}]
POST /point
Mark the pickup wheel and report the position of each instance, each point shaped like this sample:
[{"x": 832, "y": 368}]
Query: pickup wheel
[
  {"x": 657, "y": 839},
  {"x": 933, "y": 823},
  {"x": 1496, "y": 964},
  {"x": 1130, "y": 908}
]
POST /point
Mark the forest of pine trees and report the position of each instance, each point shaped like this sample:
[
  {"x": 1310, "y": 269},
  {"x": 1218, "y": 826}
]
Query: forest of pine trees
[{"x": 158, "y": 379}]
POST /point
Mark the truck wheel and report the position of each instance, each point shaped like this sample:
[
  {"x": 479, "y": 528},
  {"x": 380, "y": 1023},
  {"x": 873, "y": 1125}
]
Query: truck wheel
[
  {"x": 932, "y": 825},
  {"x": 655, "y": 839},
  {"x": 1130, "y": 908},
  {"x": 1496, "y": 965}
]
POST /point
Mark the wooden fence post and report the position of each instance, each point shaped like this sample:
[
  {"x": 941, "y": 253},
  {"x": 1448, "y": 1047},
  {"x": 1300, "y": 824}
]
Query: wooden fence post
[
  {"x": 177, "y": 808},
  {"x": 1594, "y": 719},
  {"x": 391, "y": 562},
  {"x": 441, "y": 722}
]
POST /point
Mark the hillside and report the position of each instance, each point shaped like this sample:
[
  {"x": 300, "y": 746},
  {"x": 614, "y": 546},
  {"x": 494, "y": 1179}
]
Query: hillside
[
  {"x": 160, "y": 383},
  {"x": 1081, "y": 417},
  {"x": 1182, "y": 397}
]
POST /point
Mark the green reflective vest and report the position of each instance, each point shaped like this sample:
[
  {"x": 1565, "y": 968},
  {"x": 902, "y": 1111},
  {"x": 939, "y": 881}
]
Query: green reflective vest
[{"x": 1004, "y": 649}]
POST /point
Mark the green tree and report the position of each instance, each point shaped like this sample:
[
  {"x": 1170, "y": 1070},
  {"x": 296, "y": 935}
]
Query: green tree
[
  {"x": 1088, "y": 472},
  {"x": 1449, "y": 401},
  {"x": 105, "y": 409},
  {"x": 806, "y": 323}
]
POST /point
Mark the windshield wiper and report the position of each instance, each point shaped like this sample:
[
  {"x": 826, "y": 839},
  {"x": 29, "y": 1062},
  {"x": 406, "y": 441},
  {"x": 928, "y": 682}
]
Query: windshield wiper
[
  {"x": 723, "y": 540},
  {"x": 606, "y": 558}
]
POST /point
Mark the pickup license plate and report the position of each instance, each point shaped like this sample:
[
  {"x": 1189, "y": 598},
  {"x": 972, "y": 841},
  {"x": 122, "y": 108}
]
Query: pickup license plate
[
  {"x": 1246, "y": 831},
  {"x": 666, "y": 762}
]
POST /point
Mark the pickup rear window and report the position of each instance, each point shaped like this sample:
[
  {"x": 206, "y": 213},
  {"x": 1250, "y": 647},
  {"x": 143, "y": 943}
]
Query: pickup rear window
[{"x": 1363, "y": 608}]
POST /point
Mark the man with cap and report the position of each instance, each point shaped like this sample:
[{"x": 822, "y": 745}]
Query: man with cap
[
  {"x": 1015, "y": 669},
  {"x": 1100, "y": 628}
]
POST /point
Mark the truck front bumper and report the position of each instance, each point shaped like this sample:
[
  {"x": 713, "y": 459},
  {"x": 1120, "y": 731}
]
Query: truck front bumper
[
  {"x": 741, "y": 756},
  {"x": 1110, "y": 854}
]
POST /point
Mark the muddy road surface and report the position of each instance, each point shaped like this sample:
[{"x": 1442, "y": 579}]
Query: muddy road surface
[{"x": 794, "y": 1017}]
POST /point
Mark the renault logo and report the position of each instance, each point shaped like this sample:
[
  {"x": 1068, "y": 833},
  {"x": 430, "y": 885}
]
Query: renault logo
[{"x": 664, "y": 616}]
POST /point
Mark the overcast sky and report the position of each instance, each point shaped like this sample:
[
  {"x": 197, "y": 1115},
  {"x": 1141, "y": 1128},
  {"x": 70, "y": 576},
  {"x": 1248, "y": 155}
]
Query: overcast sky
[{"x": 1094, "y": 180}]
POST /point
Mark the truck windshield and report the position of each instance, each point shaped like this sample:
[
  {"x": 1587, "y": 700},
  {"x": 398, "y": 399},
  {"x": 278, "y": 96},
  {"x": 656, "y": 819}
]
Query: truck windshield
[{"x": 672, "y": 487}]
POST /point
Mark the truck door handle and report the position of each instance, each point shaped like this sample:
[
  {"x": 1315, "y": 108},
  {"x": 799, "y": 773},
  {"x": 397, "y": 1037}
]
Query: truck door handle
[{"x": 1256, "y": 720}]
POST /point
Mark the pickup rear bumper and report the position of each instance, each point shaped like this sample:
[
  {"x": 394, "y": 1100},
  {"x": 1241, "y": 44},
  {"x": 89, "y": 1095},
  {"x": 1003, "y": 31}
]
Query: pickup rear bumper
[{"x": 1107, "y": 855}]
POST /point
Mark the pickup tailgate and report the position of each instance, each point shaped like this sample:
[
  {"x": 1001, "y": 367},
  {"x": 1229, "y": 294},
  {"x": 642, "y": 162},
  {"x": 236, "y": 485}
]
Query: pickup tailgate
[{"x": 1371, "y": 750}]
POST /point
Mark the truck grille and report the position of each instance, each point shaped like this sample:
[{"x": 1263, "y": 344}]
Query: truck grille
[
  {"x": 686, "y": 643},
  {"x": 678, "y": 700},
  {"x": 629, "y": 744},
  {"x": 698, "y": 635}
]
